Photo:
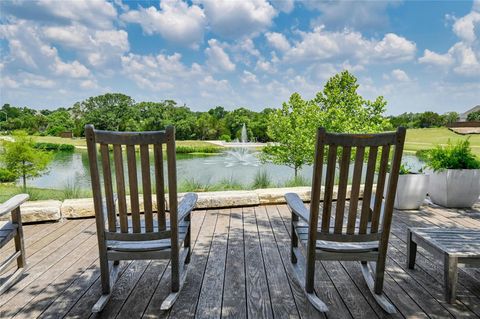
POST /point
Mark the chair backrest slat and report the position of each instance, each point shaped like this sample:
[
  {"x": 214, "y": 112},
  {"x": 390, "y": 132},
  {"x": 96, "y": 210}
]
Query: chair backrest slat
[
  {"x": 133, "y": 184},
  {"x": 131, "y": 222},
  {"x": 380, "y": 188},
  {"x": 108, "y": 184},
  {"x": 355, "y": 191},
  {"x": 159, "y": 185},
  {"x": 366, "y": 226},
  {"x": 329, "y": 183},
  {"x": 342, "y": 189},
  {"x": 147, "y": 187},
  {"x": 120, "y": 179},
  {"x": 367, "y": 189}
]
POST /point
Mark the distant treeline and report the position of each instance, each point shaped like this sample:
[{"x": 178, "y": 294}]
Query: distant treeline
[{"x": 115, "y": 111}]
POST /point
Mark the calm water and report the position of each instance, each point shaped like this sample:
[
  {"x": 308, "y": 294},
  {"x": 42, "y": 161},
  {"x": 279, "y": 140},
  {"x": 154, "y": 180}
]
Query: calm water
[{"x": 73, "y": 168}]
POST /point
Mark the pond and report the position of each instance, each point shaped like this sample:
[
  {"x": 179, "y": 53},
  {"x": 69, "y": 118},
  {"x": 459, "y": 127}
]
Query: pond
[{"x": 239, "y": 166}]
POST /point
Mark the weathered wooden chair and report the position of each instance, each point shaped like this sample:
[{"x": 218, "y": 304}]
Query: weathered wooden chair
[
  {"x": 12, "y": 230},
  {"x": 130, "y": 235},
  {"x": 342, "y": 236}
]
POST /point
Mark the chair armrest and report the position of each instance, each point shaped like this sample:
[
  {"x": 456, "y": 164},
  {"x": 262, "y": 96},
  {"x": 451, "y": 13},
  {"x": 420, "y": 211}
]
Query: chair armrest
[
  {"x": 186, "y": 205},
  {"x": 297, "y": 207},
  {"x": 13, "y": 203}
]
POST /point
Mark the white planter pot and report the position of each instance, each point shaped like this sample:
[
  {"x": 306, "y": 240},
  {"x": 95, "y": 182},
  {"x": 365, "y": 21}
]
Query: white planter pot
[
  {"x": 411, "y": 191},
  {"x": 455, "y": 187}
]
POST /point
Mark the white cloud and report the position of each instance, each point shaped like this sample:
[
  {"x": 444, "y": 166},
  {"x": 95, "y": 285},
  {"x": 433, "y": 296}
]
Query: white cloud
[
  {"x": 94, "y": 13},
  {"x": 73, "y": 70},
  {"x": 400, "y": 75},
  {"x": 217, "y": 58},
  {"x": 176, "y": 21},
  {"x": 430, "y": 57},
  {"x": 36, "y": 81},
  {"x": 249, "y": 77},
  {"x": 465, "y": 27},
  {"x": 277, "y": 41},
  {"x": 322, "y": 45},
  {"x": 233, "y": 19},
  {"x": 286, "y": 6}
]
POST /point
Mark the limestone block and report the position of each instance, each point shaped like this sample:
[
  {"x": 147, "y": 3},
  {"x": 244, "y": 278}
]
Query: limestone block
[{"x": 43, "y": 210}]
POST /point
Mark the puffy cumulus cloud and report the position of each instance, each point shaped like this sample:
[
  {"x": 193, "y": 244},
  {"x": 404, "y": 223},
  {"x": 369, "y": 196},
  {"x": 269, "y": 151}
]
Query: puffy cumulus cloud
[
  {"x": 465, "y": 27},
  {"x": 234, "y": 19},
  {"x": 176, "y": 21},
  {"x": 73, "y": 70},
  {"x": 217, "y": 58},
  {"x": 94, "y": 13},
  {"x": 99, "y": 48},
  {"x": 430, "y": 57},
  {"x": 277, "y": 41},
  {"x": 322, "y": 45},
  {"x": 249, "y": 78},
  {"x": 464, "y": 56},
  {"x": 400, "y": 75}
]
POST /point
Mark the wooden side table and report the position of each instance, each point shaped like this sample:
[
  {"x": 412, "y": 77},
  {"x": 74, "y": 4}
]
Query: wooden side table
[{"x": 458, "y": 247}]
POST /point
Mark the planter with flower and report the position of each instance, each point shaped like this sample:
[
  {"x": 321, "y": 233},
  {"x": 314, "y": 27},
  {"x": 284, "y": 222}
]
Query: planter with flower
[{"x": 455, "y": 176}]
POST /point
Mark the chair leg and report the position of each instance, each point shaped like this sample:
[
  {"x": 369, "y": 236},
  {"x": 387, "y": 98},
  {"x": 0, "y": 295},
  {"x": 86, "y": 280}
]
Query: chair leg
[
  {"x": 294, "y": 241},
  {"x": 188, "y": 244},
  {"x": 109, "y": 272},
  {"x": 11, "y": 280},
  {"x": 372, "y": 285},
  {"x": 173, "y": 296},
  {"x": 300, "y": 274}
]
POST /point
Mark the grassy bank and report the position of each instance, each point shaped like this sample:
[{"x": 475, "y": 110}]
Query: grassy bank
[
  {"x": 9, "y": 190},
  {"x": 420, "y": 139}
]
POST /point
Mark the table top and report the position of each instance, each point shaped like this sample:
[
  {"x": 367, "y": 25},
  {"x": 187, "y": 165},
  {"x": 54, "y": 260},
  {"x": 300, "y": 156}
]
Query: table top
[{"x": 460, "y": 242}]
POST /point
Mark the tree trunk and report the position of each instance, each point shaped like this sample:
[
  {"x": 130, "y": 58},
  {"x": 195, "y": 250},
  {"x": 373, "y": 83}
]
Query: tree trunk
[
  {"x": 296, "y": 172},
  {"x": 24, "y": 183}
]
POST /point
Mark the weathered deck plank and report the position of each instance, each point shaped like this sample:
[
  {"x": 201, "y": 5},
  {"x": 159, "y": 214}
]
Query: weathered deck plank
[{"x": 240, "y": 268}]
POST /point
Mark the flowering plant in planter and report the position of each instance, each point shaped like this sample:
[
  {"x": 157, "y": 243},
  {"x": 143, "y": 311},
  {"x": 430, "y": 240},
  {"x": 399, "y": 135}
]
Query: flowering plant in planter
[{"x": 455, "y": 179}]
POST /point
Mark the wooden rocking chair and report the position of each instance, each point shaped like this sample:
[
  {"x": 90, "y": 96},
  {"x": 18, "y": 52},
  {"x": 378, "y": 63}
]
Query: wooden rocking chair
[
  {"x": 130, "y": 235},
  {"x": 341, "y": 235},
  {"x": 12, "y": 230}
]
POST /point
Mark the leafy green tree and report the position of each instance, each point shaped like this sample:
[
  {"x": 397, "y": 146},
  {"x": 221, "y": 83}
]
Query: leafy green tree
[
  {"x": 344, "y": 110},
  {"x": 111, "y": 111},
  {"x": 338, "y": 108},
  {"x": 293, "y": 128},
  {"x": 430, "y": 119},
  {"x": 450, "y": 117},
  {"x": 21, "y": 158},
  {"x": 474, "y": 116},
  {"x": 59, "y": 121}
]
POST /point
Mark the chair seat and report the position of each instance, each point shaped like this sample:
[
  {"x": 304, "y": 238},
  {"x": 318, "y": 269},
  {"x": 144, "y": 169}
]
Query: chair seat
[
  {"x": 147, "y": 245},
  {"x": 7, "y": 231},
  {"x": 342, "y": 247}
]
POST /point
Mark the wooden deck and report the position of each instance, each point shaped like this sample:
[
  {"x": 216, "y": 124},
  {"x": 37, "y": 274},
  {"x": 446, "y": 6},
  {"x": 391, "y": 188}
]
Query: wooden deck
[{"x": 240, "y": 268}]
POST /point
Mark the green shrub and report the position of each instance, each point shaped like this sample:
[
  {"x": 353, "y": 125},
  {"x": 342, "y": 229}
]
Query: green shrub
[
  {"x": 452, "y": 156},
  {"x": 54, "y": 147},
  {"x": 7, "y": 176},
  {"x": 422, "y": 155},
  {"x": 405, "y": 169},
  {"x": 197, "y": 149},
  {"x": 227, "y": 184},
  {"x": 261, "y": 179},
  {"x": 226, "y": 138}
]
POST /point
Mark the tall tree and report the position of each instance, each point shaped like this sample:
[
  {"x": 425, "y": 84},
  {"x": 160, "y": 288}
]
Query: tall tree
[
  {"x": 22, "y": 159},
  {"x": 293, "y": 129},
  {"x": 338, "y": 108}
]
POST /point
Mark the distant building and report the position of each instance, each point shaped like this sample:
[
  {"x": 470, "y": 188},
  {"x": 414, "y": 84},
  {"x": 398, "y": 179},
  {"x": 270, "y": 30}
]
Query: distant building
[{"x": 463, "y": 116}]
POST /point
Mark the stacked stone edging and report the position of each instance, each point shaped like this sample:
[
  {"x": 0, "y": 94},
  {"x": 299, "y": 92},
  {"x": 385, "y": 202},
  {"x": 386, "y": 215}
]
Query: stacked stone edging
[{"x": 54, "y": 210}]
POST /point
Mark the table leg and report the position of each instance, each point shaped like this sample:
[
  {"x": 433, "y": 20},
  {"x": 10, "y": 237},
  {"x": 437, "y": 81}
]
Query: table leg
[
  {"x": 450, "y": 277},
  {"x": 411, "y": 250}
]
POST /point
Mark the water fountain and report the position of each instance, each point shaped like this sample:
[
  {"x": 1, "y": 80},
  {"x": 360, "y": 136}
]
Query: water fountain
[{"x": 239, "y": 154}]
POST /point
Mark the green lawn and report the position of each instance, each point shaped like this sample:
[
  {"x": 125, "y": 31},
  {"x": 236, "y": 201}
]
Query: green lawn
[
  {"x": 80, "y": 142},
  {"x": 419, "y": 139},
  {"x": 9, "y": 190}
]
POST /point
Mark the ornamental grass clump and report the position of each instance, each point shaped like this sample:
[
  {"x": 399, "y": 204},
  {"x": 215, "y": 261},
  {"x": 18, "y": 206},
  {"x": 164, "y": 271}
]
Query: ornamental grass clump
[{"x": 452, "y": 156}]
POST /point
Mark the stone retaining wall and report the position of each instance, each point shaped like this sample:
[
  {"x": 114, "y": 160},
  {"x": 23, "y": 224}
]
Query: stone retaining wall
[{"x": 53, "y": 210}]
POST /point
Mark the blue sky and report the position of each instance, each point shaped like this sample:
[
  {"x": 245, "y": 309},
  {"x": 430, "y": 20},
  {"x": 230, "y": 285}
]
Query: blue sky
[{"x": 420, "y": 55}]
